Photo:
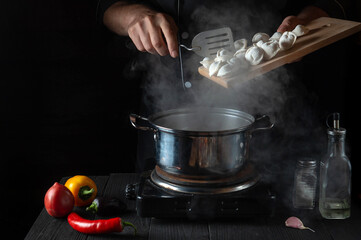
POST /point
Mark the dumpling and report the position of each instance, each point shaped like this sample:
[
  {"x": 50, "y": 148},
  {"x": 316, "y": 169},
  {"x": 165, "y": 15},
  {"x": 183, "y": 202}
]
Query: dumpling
[
  {"x": 240, "y": 62},
  {"x": 223, "y": 55},
  {"x": 276, "y": 36},
  {"x": 226, "y": 70},
  {"x": 206, "y": 62},
  {"x": 259, "y": 43},
  {"x": 260, "y": 36},
  {"x": 240, "y": 53},
  {"x": 300, "y": 30},
  {"x": 287, "y": 40},
  {"x": 270, "y": 49},
  {"x": 232, "y": 67},
  {"x": 214, "y": 67},
  {"x": 240, "y": 44},
  {"x": 254, "y": 55}
]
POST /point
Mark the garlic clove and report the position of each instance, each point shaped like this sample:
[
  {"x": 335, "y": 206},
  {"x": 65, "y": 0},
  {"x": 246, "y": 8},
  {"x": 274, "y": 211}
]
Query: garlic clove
[
  {"x": 294, "y": 222},
  {"x": 254, "y": 55},
  {"x": 260, "y": 36},
  {"x": 300, "y": 30},
  {"x": 206, "y": 62},
  {"x": 287, "y": 40},
  {"x": 240, "y": 44}
]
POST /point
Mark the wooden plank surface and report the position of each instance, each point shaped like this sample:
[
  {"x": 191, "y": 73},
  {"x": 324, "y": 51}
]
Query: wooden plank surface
[
  {"x": 178, "y": 229},
  {"x": 324, "y": 31},
  {"x": 265, "y": 228},
  {"x": 239, "y": 229},
  {"x": 277, "y": 228},
  {"x": 268, "y": 228},
  {"x": 348, "y": 228},
  {"x": 116, "y": 188}
]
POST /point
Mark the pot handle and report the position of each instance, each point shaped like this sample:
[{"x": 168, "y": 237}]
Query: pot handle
[
  {"x": 268, "y": 119},
  {"x": 137, "y": 120}
]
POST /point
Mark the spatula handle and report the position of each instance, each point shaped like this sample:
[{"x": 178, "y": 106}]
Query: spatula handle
[{"x": 190, "y": 49}]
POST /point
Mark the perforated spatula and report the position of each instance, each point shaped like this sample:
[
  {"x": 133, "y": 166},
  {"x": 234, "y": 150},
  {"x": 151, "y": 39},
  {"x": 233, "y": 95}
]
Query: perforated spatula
[{"x": 207, "y": 43}]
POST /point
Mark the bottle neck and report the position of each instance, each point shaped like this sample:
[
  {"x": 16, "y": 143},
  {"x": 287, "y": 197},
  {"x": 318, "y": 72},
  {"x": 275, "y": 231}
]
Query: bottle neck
[{"x": 336, "y": 145}]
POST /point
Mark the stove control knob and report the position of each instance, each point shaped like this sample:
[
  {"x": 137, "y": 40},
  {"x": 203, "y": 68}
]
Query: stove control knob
[{"x": 130, "y": 191}]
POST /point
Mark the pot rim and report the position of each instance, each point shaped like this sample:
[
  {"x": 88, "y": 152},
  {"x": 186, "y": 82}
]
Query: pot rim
[{"x": 233, "y": 112}]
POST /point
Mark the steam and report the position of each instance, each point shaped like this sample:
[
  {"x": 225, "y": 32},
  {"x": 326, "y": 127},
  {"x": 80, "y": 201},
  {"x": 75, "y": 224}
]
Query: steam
[
  {"x": 163, "y": 84},
  {"x": 245, "y": 18},
  {"x": 298, "y": 132}
]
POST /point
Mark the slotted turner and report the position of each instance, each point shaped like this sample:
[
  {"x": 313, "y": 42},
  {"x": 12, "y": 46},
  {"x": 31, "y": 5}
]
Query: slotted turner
[{"x": 207, "y": 43}]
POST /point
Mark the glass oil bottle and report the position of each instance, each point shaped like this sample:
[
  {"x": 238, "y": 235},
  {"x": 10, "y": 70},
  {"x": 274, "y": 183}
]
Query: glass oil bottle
[{"x": 335, "y": 175}]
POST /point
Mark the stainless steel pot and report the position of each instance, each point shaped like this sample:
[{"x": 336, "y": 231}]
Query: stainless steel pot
[{"x": 201, "y": 143}]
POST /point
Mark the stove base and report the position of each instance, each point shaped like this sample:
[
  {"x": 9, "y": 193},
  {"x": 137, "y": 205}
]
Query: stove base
[{"x": 153, "y": 201}]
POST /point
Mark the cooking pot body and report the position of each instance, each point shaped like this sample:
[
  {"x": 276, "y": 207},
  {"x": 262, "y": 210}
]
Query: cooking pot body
[
  {"x": 201, "y": 143},
  {"x": 201, "y": 156}
]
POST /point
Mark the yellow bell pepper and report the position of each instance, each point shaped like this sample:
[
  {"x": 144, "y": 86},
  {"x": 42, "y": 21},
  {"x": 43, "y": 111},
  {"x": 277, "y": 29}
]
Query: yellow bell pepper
[{"x": 83, "y": 189}]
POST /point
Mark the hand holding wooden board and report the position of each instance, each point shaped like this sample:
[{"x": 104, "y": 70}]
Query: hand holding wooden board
[{"x": 323, "y": 31}]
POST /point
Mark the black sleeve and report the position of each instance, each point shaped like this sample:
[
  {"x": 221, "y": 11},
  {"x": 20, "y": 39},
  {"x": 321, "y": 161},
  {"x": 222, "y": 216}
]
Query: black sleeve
[
  {"x": 102, "y": 6},
  {"x": 335, "y": 8},
  {"x": 295, "y": 7}
]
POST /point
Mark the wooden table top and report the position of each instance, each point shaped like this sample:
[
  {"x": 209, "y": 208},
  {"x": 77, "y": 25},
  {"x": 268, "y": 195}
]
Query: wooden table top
[{"x": 47, "y": 227}]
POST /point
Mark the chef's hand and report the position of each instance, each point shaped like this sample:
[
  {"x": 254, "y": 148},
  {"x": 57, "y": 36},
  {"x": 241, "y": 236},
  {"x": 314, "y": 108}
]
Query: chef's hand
[
  {"x": 289, "y": 23},
  {"x": 150, "y": 31},
  {"x": 307, "y": 14}
]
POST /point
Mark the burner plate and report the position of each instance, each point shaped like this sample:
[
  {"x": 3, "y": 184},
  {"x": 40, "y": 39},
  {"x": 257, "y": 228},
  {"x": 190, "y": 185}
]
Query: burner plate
[
  {"x": 155, "y": 201},
  {"x": 245, "y": 178}
]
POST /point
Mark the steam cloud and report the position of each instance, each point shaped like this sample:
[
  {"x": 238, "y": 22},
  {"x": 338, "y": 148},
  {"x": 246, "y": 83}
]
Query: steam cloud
[
  {"x": 297, "y": 132},
  {"x": 163, "y": 73}
]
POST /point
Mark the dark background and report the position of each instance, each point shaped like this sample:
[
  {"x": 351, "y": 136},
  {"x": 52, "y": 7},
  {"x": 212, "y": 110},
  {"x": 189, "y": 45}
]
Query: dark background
[
  {"x": 64, "y": 102},
  {"x": 66, "y": 90}
]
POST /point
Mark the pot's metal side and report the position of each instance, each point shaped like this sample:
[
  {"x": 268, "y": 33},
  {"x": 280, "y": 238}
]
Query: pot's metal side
[
  {"x": 209, "y": 152},
  {"x": 213, "y": 156}
]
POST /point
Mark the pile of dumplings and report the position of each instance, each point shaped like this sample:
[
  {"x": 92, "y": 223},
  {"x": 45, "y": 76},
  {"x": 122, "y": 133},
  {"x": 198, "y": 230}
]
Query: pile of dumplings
[{"x": 228, "y": 63}]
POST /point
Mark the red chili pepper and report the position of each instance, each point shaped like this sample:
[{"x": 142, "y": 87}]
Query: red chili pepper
[{"x": 97, "y": 226}]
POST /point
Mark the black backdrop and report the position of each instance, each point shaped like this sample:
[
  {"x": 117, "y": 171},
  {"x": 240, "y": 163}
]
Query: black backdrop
[
  {"x": 64, "y": 102},
  {"x": 66, "y": 91}
]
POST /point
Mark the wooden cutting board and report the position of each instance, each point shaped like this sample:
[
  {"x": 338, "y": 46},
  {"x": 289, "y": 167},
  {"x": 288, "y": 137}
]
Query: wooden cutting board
[{"x": 323, "y": 31}]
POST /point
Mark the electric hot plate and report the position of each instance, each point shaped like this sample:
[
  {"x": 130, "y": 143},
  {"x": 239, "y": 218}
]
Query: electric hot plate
[{"x": 159, "y": 197}]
